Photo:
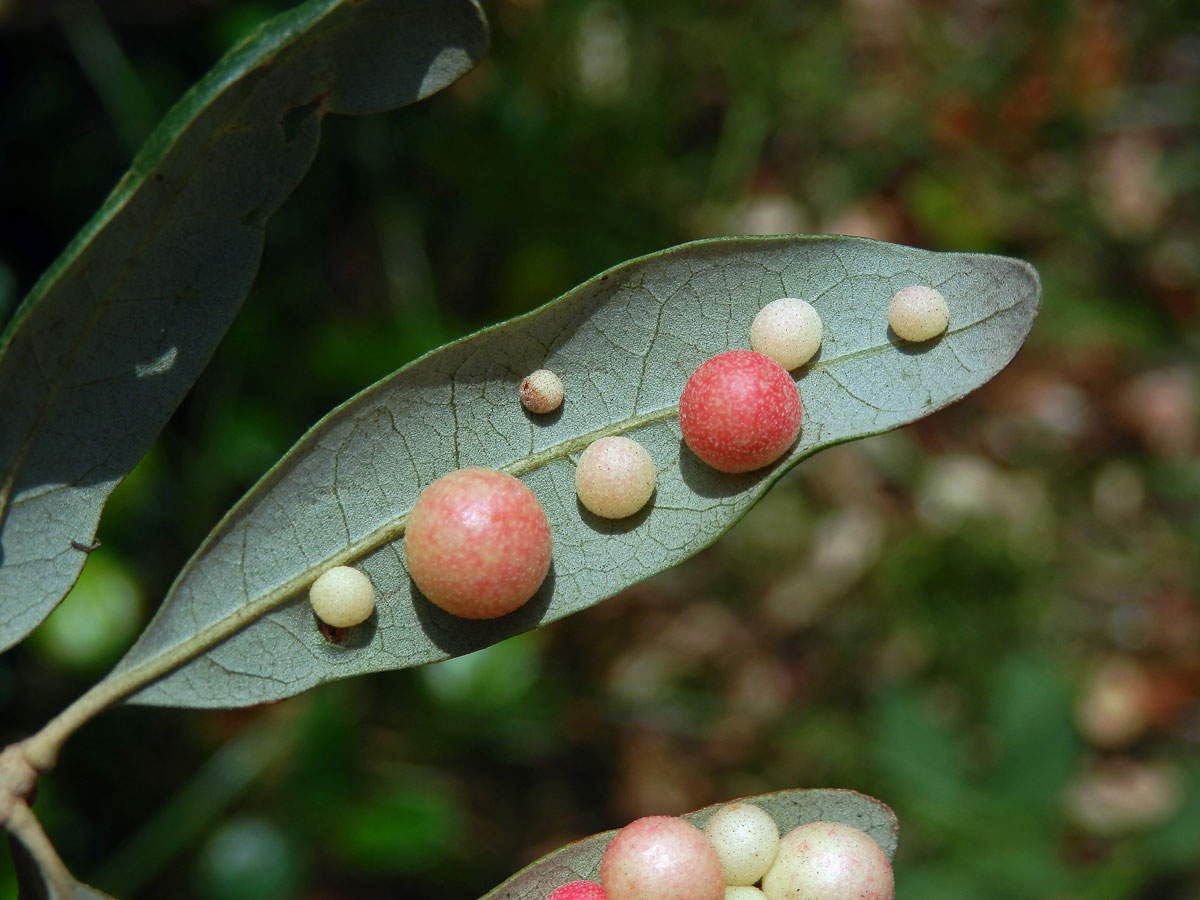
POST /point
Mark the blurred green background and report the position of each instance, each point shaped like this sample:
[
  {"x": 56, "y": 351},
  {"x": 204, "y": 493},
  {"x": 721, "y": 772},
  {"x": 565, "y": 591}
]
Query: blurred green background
[{"x": 989, "y": 620}]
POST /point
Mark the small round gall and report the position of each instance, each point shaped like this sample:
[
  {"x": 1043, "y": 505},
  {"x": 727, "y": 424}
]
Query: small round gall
[
  {"x": 829, "y": 861},
  {"x": 661, "y": 858},
  {"x": 614, "y": 477},
  {"x": 787, "y": 330},
  {"x": 342, "y": 597},
  {"x": 739, "y": 411},
  {"x": 743, "y": 892},
  {"x": 746, "y": 839},
  {"x": 477, "y": 543},
  {"x": 578, "y": 890},
  {"x": 918, "y": 313},
  {"x": 541, "y": 392}
]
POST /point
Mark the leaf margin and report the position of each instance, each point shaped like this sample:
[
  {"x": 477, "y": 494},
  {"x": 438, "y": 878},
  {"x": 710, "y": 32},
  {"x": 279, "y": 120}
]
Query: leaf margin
[
  {"x": 393, "y": 531},
  {"x": 62, "y": 551}
]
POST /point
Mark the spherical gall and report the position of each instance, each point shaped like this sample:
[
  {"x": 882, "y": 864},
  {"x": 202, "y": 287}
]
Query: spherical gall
[
  {"x": 918, "y": 313},
  {"x": 342, "y": 597},
  {"x": 787, "y": 330},
  {"x": 742, "y": 892},
  {"x": 740, "y": 411},
  {"x": 829, "y": 861},
  {"x": 614, "y": 477},
  {"x": 746, "y": 839},
  {"x": 477, "y": 543},
  {"x": 541, "y": 392},
  {"x": 578, "y": 890},
  {"x": 661, "y": 858}
]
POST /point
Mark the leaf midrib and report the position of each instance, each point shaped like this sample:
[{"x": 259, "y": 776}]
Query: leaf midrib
[{"x": 151, "y": 668}]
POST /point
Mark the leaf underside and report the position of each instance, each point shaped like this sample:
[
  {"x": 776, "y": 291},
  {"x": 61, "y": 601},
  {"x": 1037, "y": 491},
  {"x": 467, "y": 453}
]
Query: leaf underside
[
  {"x": 581, "y": 860},
  {"x": 115, "y": 333},
  {"x": 237, "y": 629}
]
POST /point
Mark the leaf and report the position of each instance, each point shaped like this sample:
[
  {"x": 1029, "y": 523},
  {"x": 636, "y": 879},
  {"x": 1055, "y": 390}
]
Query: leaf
[
  {"x": 581, "y": 860},
  {"x": 237, "y": 626},
  {"x": 1036, "y": 746},
  {"x": 117, "y": 330}
]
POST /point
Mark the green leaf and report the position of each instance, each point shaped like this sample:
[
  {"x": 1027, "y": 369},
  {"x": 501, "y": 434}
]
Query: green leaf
[
  {"x": 236, "y": 626},
  {"x": 1037, "y": 748},
  {"x": 581, "y": 860},
  {"x": 115, "y": 333}
]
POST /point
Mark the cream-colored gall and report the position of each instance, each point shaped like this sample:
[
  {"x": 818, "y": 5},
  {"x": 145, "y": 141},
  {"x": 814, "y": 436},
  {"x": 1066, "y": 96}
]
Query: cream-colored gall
[
  {"x": 342, "y": 597},
  {"x": 614, "y": 477},
  {"x": 788, "y": 330},
  {"x": 541, "y": 392},
  {"x": 918, "y": 313},
  {"x": 829, "y": 860},
  {"x": 746, "y": 838}
]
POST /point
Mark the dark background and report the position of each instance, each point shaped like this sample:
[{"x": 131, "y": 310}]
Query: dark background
[{"x": 989, "y": 620}]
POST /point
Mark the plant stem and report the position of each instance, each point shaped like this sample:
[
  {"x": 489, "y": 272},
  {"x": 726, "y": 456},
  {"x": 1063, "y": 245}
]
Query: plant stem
[
  {"x": 42, "y": 748},
  {"x": 25, "y": 827}
]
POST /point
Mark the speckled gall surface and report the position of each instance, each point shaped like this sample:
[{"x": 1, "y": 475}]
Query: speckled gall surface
[
  {"x": 614, "y": 477},
  {"x": 541, "y": 391},
  {"x": 788, "y": 330},
  {"x": 478, "y": 543},
  {"x": 746, "y": 839},
  {"x": 661, "y": 858},
  {"x": 578, "y": 890},
  {"x": 740, "y": 411},
  {"x": 342, "y": 597},
  {"x": 829, "y": 861},
  {"x": 918, "y": 313}
]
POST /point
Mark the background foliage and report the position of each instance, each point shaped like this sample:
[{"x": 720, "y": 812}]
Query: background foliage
[{"x": 988, "y": 620}]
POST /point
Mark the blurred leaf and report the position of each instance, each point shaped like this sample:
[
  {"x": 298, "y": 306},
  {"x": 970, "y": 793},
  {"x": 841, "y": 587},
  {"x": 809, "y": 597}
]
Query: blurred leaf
[
  {"x": 1036, "y": 746},
  {"x": 921, "y": 759},
  {"x": 195, "y": 807},
  {"x": 1173, "y": 844},
  {"x": 581, "y": 860},
  {"x": 624, "y": 343},
  {"x": 117, "y": 330},
  {"x": 404, "y": 828},
  {"x": 96, "y": 620},
  {"x": 495, "y": 678},
  {"x": 249, "y": 859},
  {"x": 1013, "y": 806}
]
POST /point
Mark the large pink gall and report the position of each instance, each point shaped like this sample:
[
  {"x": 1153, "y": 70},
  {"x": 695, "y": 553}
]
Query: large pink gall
[
  {"x": 740, "y": 411},
  {"x": 578, "y": 890},
  {"x": 477, "y": 543},
  {"x": 661, "y": 858}
]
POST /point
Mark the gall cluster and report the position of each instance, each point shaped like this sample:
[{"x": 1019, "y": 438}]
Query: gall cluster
[
  {"x": 477, "y": 541},
  {"x": 739, "y": 855}
]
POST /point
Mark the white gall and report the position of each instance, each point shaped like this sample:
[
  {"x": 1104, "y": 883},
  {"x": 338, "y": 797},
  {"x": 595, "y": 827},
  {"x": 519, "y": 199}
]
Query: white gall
[
  {"x": 342, "y": 597},
  {"x": 918, "y": 313},
  {"x": 787, "y": 330},
  {"x": 746, "y": 839}
]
